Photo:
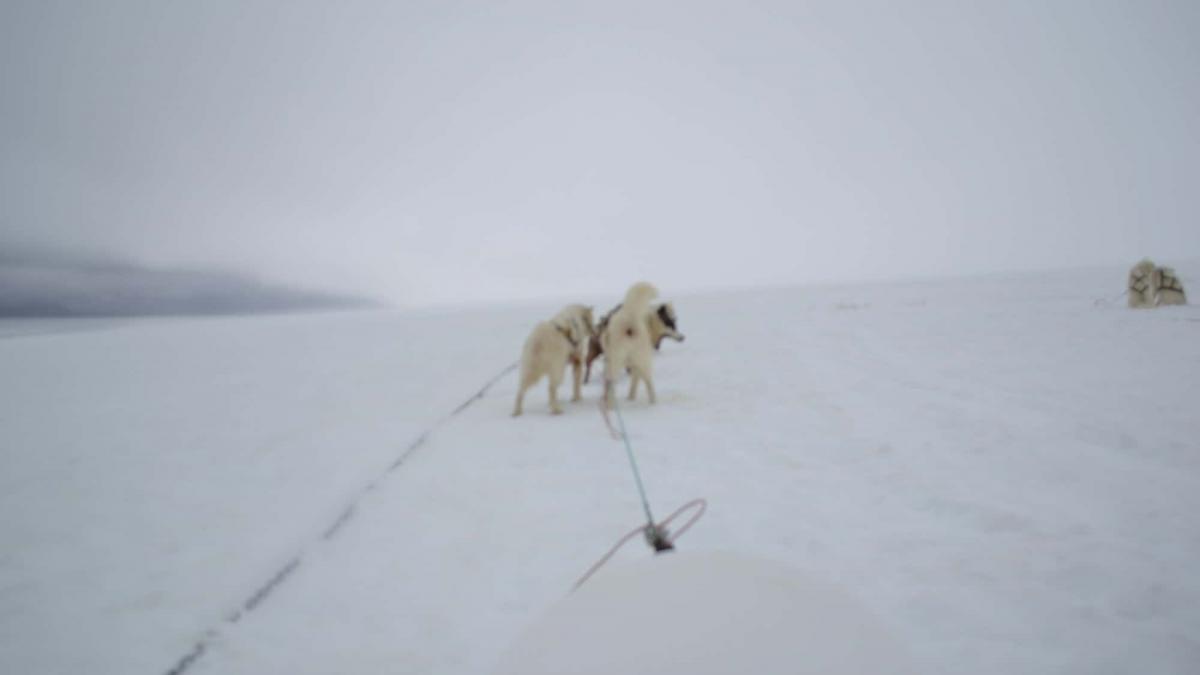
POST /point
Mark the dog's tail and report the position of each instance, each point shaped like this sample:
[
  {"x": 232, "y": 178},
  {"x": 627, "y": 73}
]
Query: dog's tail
[{"x": 640, "y": 295}]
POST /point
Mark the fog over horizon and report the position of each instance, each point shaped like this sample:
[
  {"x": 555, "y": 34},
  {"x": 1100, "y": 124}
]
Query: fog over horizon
[
  {"x": 43, "y": 283},
  {"x": 427, "y": 153}
]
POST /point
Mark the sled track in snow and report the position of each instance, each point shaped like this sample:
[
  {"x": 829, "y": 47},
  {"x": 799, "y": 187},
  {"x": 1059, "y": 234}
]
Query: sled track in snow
[{"x": 263, "y": 591}]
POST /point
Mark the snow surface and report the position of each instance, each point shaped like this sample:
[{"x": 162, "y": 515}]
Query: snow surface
[
  {"x": 1002, "y": 470},
  {"x": 706, "y": 614}
]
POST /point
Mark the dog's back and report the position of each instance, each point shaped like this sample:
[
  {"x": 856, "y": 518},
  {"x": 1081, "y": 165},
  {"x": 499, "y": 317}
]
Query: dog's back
[{"x": 579, "y": 316}]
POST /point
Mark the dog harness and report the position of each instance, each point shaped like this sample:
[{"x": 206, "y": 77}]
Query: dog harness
[
  {"x": 567, "y": 334},
  {"x": 1170, "y": 282},
  {"x": 1139, "y": 284}
]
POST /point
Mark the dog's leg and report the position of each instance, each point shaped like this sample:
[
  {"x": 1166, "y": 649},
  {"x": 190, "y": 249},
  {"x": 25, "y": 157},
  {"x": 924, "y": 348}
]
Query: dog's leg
[
  {"x": 577, "y": 377},
  {"x": 633, "y": 383},
  {"x": 517, "y": 408},
  {"x": 643, "y": 373},
  {"x": 555, "y": 408},
  {"x": 592, "y": 355}
]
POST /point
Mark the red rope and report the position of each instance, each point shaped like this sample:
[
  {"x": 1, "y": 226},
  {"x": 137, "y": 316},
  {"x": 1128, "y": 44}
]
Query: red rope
[{"x": 662, "y": 526}]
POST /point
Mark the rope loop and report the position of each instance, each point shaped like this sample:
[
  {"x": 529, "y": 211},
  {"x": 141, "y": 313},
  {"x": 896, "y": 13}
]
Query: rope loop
[{"x": 659, "y": 531}]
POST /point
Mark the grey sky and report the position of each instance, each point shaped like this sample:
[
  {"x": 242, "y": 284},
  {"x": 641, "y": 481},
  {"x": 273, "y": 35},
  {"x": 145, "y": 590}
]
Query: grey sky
[{"x": 442, "y": 152}]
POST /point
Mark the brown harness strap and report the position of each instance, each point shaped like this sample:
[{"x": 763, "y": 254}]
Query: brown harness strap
[
  {"x": 1171, "y": 283},
  {"x": 1140, "y": 284},
  {"x": 567, "y": 334}
]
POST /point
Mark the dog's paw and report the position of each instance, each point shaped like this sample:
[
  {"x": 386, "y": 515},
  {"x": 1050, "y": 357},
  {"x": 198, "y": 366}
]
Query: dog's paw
[{"x": 556, "y": 411}]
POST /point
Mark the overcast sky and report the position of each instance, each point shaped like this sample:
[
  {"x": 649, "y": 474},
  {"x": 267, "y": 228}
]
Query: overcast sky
[{"x": 447, "y": 152}]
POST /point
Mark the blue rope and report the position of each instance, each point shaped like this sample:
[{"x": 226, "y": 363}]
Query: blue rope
[{"x": 633, "y": 463}]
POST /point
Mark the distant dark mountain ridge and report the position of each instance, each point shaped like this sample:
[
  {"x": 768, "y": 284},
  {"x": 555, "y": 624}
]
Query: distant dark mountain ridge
[{"x": 46, "y": 284}]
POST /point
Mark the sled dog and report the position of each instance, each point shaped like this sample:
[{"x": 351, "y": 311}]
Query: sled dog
[
  {"x": 1170, "y": 289},
  {"x": 546, "y": 353},
  {"x": 627, "y": 344},
  {"x": 661, "y": 323},
  {"x": 1142, "y": 284}
]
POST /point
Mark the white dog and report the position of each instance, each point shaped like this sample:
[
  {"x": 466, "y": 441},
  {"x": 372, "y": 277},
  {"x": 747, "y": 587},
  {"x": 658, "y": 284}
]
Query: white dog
[
  {"x": 546, "y": 353},
  {"x": 1170, "y": 288},
  {"x": 1143, "y": 285},
  {"x": 661, "y": 322},
  {"x": 627, "y": 343}
]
